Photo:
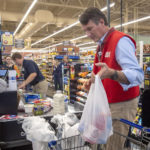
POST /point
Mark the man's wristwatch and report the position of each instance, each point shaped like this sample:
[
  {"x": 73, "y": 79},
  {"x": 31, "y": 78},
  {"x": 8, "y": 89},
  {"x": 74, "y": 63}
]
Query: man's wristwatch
[{"x": 114, "y": 76}]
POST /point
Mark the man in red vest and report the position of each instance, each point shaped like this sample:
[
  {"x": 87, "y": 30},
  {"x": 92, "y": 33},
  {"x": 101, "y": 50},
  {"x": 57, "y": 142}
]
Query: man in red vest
[{"x": 117, "y": 66}]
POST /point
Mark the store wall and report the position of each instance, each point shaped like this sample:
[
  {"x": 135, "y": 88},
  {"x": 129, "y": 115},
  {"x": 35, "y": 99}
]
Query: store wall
[{"x": 144, "y": 38}]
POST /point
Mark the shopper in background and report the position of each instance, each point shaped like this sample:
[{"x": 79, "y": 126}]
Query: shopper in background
[
  {"x": 117, "y": 66},
  {"x": 10, "y": 66},
  {"x": 62, "y": 68},
  {"x": 4, "y": 60},
  {"x": 3, "y": 63},
  {"x": 32, "y": 75},
  {"x": 66, "y": 64},
  {"x": 57, "y": 75},
  {"x": 8, "y": 62}
]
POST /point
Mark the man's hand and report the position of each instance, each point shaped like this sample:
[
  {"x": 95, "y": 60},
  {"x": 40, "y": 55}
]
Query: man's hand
[
  {"x": 105, "y": 71},
  {"x": 22, "y": 86}
]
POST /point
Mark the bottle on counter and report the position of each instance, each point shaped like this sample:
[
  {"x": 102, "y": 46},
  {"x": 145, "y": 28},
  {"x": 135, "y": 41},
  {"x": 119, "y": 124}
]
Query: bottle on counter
[
  {"x": 12, "y": 83},
  {"x": 58, "y": 103}
]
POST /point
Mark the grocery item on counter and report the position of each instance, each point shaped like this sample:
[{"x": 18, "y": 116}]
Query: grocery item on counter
[
  {"x": 59, "y": 104},
  {"x": 29, "y": 98},
  {"x": 38, "y": 108},
  {"x": 8, "y": 117},
  {"x": 29, "y": 108}
]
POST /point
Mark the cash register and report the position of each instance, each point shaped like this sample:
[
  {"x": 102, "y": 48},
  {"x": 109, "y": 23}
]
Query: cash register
[{"x": 8, "y": 98}]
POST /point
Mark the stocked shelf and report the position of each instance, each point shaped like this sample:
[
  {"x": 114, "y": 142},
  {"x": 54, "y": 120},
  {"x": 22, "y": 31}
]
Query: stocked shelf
[
  {"x": 70, "y": 57},
  {"x": 46, "y": 66}
]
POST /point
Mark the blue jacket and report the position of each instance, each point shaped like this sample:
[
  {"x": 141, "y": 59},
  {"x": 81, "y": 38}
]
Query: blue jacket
[{"x": 57, "y": 71}]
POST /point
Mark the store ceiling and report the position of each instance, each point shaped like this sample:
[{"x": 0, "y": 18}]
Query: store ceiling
[{"x": 49, "y": 16}]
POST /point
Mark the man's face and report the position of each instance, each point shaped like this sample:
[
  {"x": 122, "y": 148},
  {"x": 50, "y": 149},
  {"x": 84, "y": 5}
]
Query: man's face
[
  {"x": 8, "y": 60},
  {"x": 94, "y": 31},
  {"x": 18, "y": 61}
]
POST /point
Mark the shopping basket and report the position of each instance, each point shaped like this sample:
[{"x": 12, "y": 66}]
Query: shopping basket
[{"x": 77, "y": 143}]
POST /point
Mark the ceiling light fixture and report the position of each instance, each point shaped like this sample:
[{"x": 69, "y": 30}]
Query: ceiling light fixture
[
  {"x": 68, "y": 27},
  {"x": 134, "y": 21},
  {"x": 105, "y": 8},
  {"x": 124, "y": 24},
  {"x": 52, "y": 46},
  {"x": 39, "y": 29},
  {"x": 82, "y": 48},
  {"x": 30, "y": 51},
  {"x": 85, "y": 43},
  {"x": 25, "y": 16},
  {"x": 80, "y": 37}
]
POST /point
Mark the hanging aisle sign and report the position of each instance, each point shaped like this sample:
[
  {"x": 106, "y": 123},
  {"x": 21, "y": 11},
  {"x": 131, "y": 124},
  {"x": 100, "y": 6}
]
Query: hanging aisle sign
[{"x": 19, "y": 43}]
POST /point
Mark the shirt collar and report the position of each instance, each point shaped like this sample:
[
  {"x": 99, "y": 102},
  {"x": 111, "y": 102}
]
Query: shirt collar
[{"x": 102, "y": 39}]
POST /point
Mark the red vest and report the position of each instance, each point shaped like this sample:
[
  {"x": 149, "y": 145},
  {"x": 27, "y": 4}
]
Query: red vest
[{"x": 113, "y": 89}]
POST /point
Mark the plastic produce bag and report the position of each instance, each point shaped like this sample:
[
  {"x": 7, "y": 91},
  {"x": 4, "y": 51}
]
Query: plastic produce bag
[
  {"x": 96, "y": 122},
  {"x": 39, "y": 132},
  {"x": 67, "y": 129}
]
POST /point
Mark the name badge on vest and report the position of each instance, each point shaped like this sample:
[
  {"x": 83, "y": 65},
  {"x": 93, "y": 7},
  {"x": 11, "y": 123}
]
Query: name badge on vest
[
  {"x": 99, "y": 55},
  {"x": 107, "y": 54}
]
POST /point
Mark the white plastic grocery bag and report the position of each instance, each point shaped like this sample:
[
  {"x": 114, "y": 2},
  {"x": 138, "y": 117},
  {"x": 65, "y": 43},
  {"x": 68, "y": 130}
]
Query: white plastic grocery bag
[{"x": 96, "y": 122}]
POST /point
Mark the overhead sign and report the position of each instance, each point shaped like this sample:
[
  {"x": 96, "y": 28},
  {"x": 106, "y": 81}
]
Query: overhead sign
[
  {"x": 66, "y": 43},
  {"x": 27, "y": 43},
  {"x": 7, "y": 39},
  {"x": 19, "y": 43}
]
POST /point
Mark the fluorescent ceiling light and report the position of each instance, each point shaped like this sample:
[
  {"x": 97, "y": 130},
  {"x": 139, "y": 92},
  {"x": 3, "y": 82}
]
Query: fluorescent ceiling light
[
  {"x": 30, "y": 51},
  {"x": 39, "y": 29},
  {"x": 134, "y": 21},
  {"x": 68, "y": 27},
  {"x": 82, "y": 48},
  {"x": 81, "y": 37},
  {"x": 25, "y": 16},
  {"x": 52, "y": 46},
  {"x": 85, "y": 43},
  {"x": 124, "y": 24},
  {"x": 105, "y": 8}
]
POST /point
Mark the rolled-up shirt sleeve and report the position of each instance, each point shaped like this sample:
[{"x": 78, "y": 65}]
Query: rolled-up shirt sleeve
[{"x": 125, "y": 56}]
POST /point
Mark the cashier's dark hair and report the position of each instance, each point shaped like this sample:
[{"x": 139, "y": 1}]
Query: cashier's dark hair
[
  {"x": 16, "y": 56},
  {"x": 93, "y": 14}
]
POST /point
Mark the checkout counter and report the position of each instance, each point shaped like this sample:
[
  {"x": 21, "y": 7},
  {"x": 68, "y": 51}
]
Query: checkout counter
[{"x": 11, "y": 132}]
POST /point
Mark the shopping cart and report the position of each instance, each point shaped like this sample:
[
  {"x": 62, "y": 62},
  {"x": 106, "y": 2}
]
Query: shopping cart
[{"x": 140, "y": 142}]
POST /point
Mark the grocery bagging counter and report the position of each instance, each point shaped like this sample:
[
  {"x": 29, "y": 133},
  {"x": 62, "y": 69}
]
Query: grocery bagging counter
[{"x": 12, "y": 134}]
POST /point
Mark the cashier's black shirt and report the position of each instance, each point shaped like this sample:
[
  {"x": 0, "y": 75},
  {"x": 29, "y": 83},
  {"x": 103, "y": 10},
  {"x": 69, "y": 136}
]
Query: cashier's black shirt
[{"x": 31, "y": 67}]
